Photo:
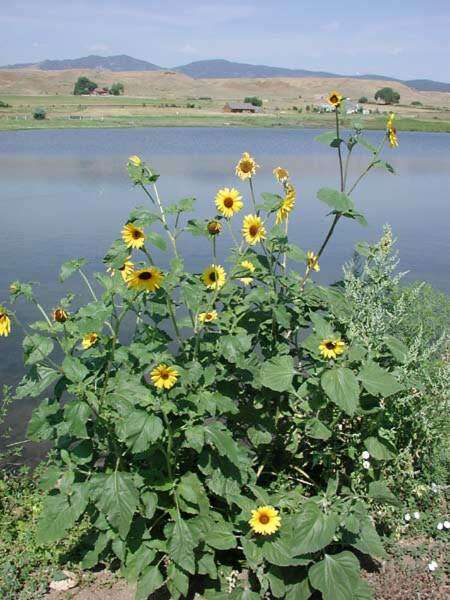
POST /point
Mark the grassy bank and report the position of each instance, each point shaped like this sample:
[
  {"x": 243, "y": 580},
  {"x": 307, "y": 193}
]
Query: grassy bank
[{"x": 69, "y": 112}]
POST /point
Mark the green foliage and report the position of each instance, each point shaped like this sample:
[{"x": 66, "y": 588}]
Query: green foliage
[
  {"x": 39, "y": 114},
  {"x": 117, "y": 89},
  {"x": 274, "y": 402},
  {"x": 4, "y": 104},
  {"x": 253, "y": 100},
  {"x": 83, "y": 85},
  {"x": 416, "y": 103},
  {"x": 363, "y": 100},
  {"x": 387, "y": 95}
]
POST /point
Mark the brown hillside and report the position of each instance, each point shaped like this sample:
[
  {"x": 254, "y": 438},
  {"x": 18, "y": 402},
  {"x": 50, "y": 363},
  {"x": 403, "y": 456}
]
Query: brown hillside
[{"x": 34, "y": 82}]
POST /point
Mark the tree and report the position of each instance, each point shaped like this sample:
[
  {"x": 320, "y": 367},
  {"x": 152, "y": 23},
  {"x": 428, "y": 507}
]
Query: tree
[
  {"x": 363, "y": 100},
  {"x": 84, "y": 85},
  {"x": 253, "y": 100},
  {"x": 388, "y": 95},
  {"x": 116, "y": 89},
  {"x": 416, "y": 103},
  {"x": 39, "y": 114}
]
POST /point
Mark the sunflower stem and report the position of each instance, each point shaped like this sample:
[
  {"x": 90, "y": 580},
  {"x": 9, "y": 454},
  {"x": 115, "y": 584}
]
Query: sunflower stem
[
  {"x": 39, "y": 307},
  {"x": 86, "y": 281},
  {"x": 252, "y": 193}
]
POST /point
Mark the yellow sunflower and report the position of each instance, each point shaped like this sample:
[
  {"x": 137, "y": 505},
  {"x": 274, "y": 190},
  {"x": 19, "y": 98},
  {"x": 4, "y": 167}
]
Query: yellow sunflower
[
  {"x": 335, "y": 99},
  {"x": 253, "y": 229},
  {"x": 125, "y": 270},
  {"x": 135, "y": 160},
  {"x": 5, "y": 322},
  {"x": 148, "y": 279},
  {"x": 133, "y": 237},
  {"x": 331, "y": 348},
  {"x": 265, "y": 520},
  {"x": 391, "y": 131},
  {"x": 89, "y": 340},
  {"x": 312, "y": 261},
  {"x": 246, "y": 280},
  {"x": 214, "y": 277},
  {"x": 246, "y": 167},
  {"x": 288, "y": 204},
  {"x": 281, "y": 174},
  {"x": 60, "y": 315},
  {"x": 164, "y": 377},
  {"x": 214, "y": 227},
  {"x": 228, "y": 202},
  {"x": 246, "y": 264},
  {"x": 207, "y": 317}
]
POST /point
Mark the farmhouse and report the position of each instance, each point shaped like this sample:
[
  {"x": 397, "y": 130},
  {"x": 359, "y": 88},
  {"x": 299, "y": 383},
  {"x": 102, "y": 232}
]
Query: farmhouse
[
  {"x": 100, "y": 92},
  {"x": 240, "y": 107}
]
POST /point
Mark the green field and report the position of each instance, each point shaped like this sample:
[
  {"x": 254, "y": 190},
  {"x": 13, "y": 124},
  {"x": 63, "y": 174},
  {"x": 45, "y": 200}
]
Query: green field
[{"x": 70, "y": 112}]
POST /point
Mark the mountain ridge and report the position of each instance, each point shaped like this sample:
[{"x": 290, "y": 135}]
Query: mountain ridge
[{"x": 213, "y": 69}]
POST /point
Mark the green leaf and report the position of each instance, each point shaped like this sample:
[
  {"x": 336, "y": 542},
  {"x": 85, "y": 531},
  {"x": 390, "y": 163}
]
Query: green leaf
[
  {"x": 181, "y": 545},
  {"x": 157, "y": 240},
  {"x": 271, "y": 201},
  {"x": 74, "y": 369},
  {"x": 195, "y": 438},
  {"x": 140, "y": 430},
  {"x": 191, "y": 490},
  {"x": 70, "y": 267},
  {"x": 336, "y": 576},
  {"x": 342, "y": 388},
  {"x": 317, "y": 430},
  {"x": 313, "y": 530},
  {"x": 36, "y": 381},
  {"x": 299, "y": 591},
  {"x": 221, "y": 537},
  {"x": 296, "y": 254},
  {"x": 217, "y": 435},
  {"x": 379, "y": 449},
  {"x": 117, "y": 254},
  {"x": 275, "y": 577},
  {"x": 369, "y": 542},
  {"x": 335, "y": 199},
  {"x": 117, "y": 497},
  {"x": 76, "y": 414},
  {"x": 327, "y": 138},
  {"x": 58, "y": 515},
  {"x": 36, "y": 347},
  {"x": 43, "y": 420},
  {"x": 150, "y": 581},
  {"x": 378, "y": 381},
  {"x": 378, "y": 490},
  {"x": 398, "y": 349},
  {"x": 321, "y": 326},
  {"x": 277, "y": 373},
  {"x": 233, "y": 346},
  {"x": 91, "y": 558},
  {"x": 258, "y": 437}
]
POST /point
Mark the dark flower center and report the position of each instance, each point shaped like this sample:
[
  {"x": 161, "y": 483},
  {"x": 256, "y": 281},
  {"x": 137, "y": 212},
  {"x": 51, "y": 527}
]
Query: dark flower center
[
  {"x": 164, "y": 375},
  {"x": 330, "y": 345},
  {"x": 213, "y": 276},
  {"x": 246, "y": 166},
  {"x": 264, "y": 519},
  {"x": 253, "y": 230},
  {"x": 145, "y": 275},
  {"x": 228, "y": 202},
  {"x": 136, "y": 234}
]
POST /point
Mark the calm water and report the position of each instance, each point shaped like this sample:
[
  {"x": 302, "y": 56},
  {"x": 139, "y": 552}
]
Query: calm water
[{"x": 65, "y": 194}]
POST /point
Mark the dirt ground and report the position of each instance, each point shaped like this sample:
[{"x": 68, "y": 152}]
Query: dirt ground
[{"x": 404, "y": 576}]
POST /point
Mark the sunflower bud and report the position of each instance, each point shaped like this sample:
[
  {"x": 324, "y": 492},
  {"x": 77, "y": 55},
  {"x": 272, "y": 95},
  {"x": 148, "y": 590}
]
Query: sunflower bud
[
  {"x": 214, "y": 227},
  {"x": 60, "y": 315}
]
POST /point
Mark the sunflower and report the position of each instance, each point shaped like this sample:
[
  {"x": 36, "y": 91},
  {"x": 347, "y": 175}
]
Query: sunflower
[
  {"x": 391, "y": 131},
  {"x": 133, "y": 237},
  {"x": 281, "y": 174},
  {"x": 246, "y": 280},
  {"x": 89, "y": 340},
  {"x": 60, "y": 315},
  {"x": 228, "y": 202},
  {"x": 246, "y": 167},
  {"x": 265, "y": 520},
  {"x": 287, "y": 205},
  {"x": 214, "y": 227},
  {"x": 253, "y": 229},
  {"x": 135, "y": 160},
  {"x": 148, "y": 279},
  {"x": 207, "y": 317},
  {"x": 5, "y": 322},
  {"x": 164, "y": 377},
  {"x": 214, "y": 277},
  {"x": 125, "y": 270},
  {"x": 312, "y": 261},
  {"x": 246, "y": 264},
  {"x": 335, "y": 99},
  {"x": 331, "y": 348}
]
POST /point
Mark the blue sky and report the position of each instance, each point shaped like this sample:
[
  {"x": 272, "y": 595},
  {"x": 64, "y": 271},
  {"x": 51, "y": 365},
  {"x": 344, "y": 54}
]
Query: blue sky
[{"x": 398, "y": 38}]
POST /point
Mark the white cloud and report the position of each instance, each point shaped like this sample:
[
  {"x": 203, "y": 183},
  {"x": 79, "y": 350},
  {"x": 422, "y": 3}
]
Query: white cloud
[{"x": 99, "y": 47}]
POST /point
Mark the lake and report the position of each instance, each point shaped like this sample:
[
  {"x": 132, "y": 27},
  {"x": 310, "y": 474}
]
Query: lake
[{"x": 66, "y": 194}]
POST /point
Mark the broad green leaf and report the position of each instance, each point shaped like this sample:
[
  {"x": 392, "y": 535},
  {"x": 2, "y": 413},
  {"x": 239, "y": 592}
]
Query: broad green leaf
[
  {"x": 336, "y": 576},
  {"x": 181, "y": 545},
  {"x": 379, "y": 449},
  {"x": 36, "y": 381},
  {"x": 191, "y": 490},
  {"x": 177, "y": 581},
  {"x": 76, "y": 414},
  {"x": 277, "y": 373},
  {"x": 150, "y": 581},
  {"x": 296, "y": 254},
  {"x": 252, "y": 553},
  {"x": 398, "y": 349},
  {"x": 275, "y": 577},
  {"x": 317, "y": 430},
  {"x": 221, "y": 537},
  {"x": 321, "y": 326},
  {"x": 335, "y": 199},
  {"x": 378, "y": 381},
  {"x": 91, "y": 558},
  {"x": 327, "y": 138},
  {"x": 43, "y": 420},
  {"x": 299, "y": 591},
  {"x": 70, "y": 267},
  {"x": 36, "y": 348},
  {"x": 140, "y": 430},
  {"x": 258, "y": 436},
  {"x": 136, "y": 562},
  {"x": 233, "y": 346},
  {"x": 217, "y": 435},
  {"x": 369, "y": 542},
  {"x": 342, "y": 388},
  {"x": 58, "y": 515},
  {"x": 195, "y": 438},
  {"x": 378, "y": 490},
  {"x": 313, "y": 529},
  {"x": 157, "y": 240},
  {"x": 74, "y": 369},
  {"x": 117, "y": 497},
  {"x": 117, "y": 254}
]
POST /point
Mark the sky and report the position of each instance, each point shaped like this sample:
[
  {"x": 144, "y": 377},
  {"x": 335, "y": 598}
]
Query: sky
[{"x": 402, "y": 39}]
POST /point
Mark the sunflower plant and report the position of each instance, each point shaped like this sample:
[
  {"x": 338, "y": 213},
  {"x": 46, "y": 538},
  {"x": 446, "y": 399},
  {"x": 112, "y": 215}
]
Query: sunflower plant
[{"x": 210, "y": 425}]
